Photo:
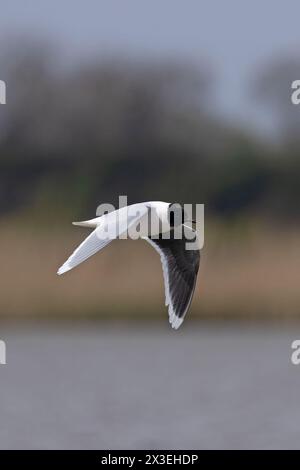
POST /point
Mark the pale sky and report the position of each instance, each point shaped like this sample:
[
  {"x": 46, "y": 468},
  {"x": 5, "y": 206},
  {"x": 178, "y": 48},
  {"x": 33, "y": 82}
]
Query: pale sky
[{"x": 234, "y": 36}]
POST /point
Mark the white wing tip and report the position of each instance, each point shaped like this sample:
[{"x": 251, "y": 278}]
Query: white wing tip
[
  {"x": 63, "y": 269},
  {"x": 176, "y": 322}
]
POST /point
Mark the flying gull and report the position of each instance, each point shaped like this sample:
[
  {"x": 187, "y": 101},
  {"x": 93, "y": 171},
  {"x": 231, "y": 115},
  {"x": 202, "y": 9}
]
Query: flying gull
[{"x": 180, "y": 265}]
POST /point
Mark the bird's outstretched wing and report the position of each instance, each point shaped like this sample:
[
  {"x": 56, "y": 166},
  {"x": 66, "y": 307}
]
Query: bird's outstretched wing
[
  {"x": 180, "y": 269},
  {"x": 110, "y": 226}
]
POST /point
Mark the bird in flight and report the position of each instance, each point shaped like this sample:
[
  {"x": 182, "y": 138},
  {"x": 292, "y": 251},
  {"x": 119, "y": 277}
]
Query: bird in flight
[{"x": 180, "y": 265}]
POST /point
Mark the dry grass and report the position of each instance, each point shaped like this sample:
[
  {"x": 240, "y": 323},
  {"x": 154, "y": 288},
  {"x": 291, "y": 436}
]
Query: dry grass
[{"x": 243, "y": 274}]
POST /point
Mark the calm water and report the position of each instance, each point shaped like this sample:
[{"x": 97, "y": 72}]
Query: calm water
[{"x": 95, "y": 386}]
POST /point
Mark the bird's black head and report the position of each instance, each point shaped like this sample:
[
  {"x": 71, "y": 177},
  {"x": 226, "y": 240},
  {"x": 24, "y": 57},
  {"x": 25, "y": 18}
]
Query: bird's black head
[{"x": 176, "y": 214}]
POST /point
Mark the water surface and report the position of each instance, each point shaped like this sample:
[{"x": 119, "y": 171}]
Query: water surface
[{"x": 94, "y": 386}]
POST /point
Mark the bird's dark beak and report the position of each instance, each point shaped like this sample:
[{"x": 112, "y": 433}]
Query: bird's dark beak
[{"x": 192, "y": 222}]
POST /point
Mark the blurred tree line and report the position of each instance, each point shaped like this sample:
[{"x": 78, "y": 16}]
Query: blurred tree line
[{"x": 85, "y": 134}]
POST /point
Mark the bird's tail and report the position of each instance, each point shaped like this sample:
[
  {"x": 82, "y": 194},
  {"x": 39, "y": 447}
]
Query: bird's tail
[{"x": 93, "y": 223}]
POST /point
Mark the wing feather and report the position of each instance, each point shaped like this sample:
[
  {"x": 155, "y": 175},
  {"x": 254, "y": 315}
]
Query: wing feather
[
  {"x": 111, "y": 226},
  {"x": 180, "y": 269}
]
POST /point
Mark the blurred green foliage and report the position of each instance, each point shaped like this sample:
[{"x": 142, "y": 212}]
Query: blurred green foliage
[{"x": 73, "y": 137}]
